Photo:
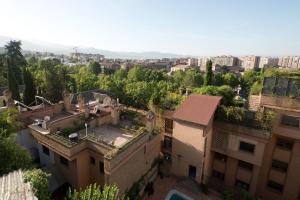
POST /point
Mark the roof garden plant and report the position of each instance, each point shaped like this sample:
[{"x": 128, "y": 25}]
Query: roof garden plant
[{"x": 241, "y": 116}]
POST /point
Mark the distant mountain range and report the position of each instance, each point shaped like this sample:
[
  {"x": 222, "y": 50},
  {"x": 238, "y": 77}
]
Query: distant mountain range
[{"x": 28, "y": 45}]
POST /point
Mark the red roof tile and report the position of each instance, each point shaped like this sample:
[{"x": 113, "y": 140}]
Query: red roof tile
[{"x": 197, "y": 109}]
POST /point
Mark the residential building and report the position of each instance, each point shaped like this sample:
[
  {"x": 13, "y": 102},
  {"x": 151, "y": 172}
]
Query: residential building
[
  {"x": 90, "y": 138},
  {"x": 192, "y": 62},
  {"x": 249, "y": 62},
  {"x": 228, "y": 61},
  {"x": 225, "y": 155},
  {"x": 266, "y": 62},
  {"x": 179, "y": 67},
  {"x": 289, "y": 62}
]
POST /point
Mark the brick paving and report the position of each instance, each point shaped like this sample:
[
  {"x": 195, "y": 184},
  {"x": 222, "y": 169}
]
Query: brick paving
[{"x": 162, "y": 186}]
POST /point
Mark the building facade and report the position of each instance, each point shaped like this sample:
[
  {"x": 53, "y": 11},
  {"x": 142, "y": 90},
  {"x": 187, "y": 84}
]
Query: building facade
[{"x": 235, "y": 156}]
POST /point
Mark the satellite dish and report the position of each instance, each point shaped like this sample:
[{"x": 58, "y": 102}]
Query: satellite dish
[{"x": 47, "y": 118}]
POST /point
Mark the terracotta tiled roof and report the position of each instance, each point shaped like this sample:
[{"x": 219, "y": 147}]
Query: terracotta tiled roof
[{"x": 197, "y": 109}]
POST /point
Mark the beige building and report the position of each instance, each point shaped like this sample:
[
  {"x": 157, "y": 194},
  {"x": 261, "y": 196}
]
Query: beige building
[
  {"x": 265, "y": 62},
  {"x": 237, "y": 156},
  {"x": 91, "y": 138},
  {"x": 249, "y": 62},
  {"x": 192, "y": 62},
  {"x": 289, "y": 62}
]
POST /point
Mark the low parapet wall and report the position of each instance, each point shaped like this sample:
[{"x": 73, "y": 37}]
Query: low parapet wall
[{"x": 284, "y": 102}]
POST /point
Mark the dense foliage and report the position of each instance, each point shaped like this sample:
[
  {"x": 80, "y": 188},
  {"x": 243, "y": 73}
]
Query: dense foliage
[
  {"x": 241, "y": 116},
  {"x": 12, "y": 155},
  {"x": 93, "y": 192},
  {"x": 38, "y": 180}
]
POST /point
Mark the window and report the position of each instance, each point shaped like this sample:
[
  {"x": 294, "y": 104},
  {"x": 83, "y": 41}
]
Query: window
[
  {"x": 167, "y": 142},
  {"x": 242, "y": 184},
  {"x": 220, "y": 157},
  {"x": 168, "y": 125},
  {"x": 279, "y": 165},
  {"x": 290, "y": 121},
  {"x": 245, "y": 165},
  {"x": 285, "y": 143},
  {"x": 64, "y": 161},
  {"x": 46, "y": 150},
  {"x": 218, "y": 175},
  {"x": 92, "y": 160},
  {"x": 275, "y": 186},
  {"x": 247, "y": 147},
  {"x": 101, "y": 167}
]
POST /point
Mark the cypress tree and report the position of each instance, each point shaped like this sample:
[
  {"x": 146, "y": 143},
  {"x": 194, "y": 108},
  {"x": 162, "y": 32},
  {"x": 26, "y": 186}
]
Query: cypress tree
[
  {"x": 12, "y": 83},
  {"x": 17, "y": 60},
  {"x": 30, "y": 89},
  {"x": 209, "y": 73}
]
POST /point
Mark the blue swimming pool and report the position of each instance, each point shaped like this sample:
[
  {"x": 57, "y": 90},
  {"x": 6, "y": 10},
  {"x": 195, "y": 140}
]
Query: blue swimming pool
[{"x": 176, "y": 195}]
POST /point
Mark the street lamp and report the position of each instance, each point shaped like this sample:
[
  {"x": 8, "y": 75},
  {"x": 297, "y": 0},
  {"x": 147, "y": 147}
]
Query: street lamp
[{"x": 86, "y": 125}]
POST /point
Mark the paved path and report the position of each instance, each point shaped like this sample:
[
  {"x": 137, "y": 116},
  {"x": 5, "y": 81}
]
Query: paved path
[{"x": 186, "y": 186}]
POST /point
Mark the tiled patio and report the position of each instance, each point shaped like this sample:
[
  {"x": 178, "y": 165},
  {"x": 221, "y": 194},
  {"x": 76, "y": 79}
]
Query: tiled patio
[{"x": 163, "y": 185}]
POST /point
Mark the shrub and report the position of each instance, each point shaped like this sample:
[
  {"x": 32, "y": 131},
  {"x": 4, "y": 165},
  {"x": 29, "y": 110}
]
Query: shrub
[
  {"x": 39, "y": 182},
  {"x": 204, "y": 188}
]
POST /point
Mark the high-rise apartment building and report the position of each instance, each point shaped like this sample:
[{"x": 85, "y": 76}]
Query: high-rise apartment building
[
  {"x": 265, "y": 62},
  {"x": 249, "y": 62}
]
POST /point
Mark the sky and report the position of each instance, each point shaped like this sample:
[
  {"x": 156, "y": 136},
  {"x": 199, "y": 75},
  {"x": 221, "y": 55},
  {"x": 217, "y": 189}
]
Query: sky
[{"x": 188, "y": 27}]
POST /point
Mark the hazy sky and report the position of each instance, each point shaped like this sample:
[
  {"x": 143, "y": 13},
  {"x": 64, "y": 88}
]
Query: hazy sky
[{"x": 195, "y": 27}]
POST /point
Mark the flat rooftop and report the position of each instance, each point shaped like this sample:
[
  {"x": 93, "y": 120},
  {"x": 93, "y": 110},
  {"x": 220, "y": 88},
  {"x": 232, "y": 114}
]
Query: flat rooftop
[{"x": 113, "y": 135}]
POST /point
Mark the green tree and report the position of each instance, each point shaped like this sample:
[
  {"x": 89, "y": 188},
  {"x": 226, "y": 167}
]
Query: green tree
[
  {"x": 218, "y": 79},
  {"x": 192, "y": 78},
  {"x": 85, "y": 80},
  {"x": 16, "y": 59},
  {"x": 93, "y": 192},
  {"x": 227, "y": 195},
  {"x": 135, "y": 74},
  {"x": 95, "y": 67},
  {"x": 39, "y": 182},
  {"x": 231, "y": 80},
  {"x": 246, "y": 81},
  {"x": 52, "y": 82},
  {"x": 225, "y": 91},
  {"x": 12, "y": 82},
  {"x": 208, "y": 74},
  {"x": 12, "y": 155},
  {"x": 138, "y": 93},
  {"x": 30, "y": 89},
  {"x": 3, "y": 71}
]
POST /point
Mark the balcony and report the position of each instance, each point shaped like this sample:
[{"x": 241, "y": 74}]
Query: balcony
[
  {"x": 277, "y": 176},
  {"x": 219, "y": 165},
  {"x": 282, "y": 154}
]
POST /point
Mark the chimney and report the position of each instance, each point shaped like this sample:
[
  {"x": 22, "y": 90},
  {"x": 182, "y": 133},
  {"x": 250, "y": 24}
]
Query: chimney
[
  {"x": 82, "y": 107},
  {"x": 115, "y": 112},
  {"x": 67, "y": 100},
  {"x": 9, "y": 102},
  {"x": 150, "y": 121}
]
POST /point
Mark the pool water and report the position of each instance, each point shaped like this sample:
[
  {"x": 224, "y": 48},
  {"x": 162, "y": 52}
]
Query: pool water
[{"x": 176, "y": 197}]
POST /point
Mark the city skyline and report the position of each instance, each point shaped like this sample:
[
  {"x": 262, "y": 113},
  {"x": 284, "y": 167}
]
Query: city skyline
[{"x": 191, "y": 28}]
